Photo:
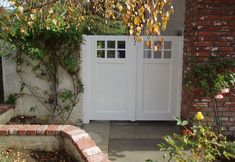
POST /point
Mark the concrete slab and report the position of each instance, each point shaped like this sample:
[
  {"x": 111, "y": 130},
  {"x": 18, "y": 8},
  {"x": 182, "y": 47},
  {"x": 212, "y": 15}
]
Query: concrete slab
[
  {"x": 136, "y": 156},
  {"x": 141, "y": 130},
  {"x": 154, "y": 132},
  {"x": 134, "y": 150},
  {"x": 131, "y": 141},
  {"x": 122, "y": 132}
]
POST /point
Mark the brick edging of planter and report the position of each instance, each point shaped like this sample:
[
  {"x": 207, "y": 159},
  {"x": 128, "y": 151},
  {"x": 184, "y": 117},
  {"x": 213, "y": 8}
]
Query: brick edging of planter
[{"x": 85, "y": 146}]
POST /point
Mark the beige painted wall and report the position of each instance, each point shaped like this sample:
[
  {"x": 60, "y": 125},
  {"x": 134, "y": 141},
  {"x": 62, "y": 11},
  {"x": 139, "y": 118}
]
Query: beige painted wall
[
  {"x": 176, "y": 23},
  {"x": 11, "y": 83}
]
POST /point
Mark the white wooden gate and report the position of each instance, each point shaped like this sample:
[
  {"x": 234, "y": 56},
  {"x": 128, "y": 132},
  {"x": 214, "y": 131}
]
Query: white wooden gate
[{"x": 125, "y": 80}]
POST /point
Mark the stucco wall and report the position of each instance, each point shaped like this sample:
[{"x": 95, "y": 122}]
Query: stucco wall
[
  {"x": 12, "y": 85},
  {"x": 176, "y": 23}
]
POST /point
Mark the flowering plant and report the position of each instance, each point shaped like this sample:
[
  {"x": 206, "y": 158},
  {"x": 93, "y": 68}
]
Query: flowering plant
[
  {"x": 195, "y": 144},
  {"x": 213, "y": 77}
]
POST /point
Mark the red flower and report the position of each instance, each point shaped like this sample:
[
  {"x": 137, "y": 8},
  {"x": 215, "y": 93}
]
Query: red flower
[{"x": 186, "y": 132}]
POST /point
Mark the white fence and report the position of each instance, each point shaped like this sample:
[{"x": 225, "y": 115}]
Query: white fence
[{"x": 126, "y": 80}]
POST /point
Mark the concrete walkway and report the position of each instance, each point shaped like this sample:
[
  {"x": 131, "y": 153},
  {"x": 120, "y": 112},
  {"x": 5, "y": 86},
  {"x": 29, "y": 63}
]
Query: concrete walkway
[{"x": 130, "y": 141}]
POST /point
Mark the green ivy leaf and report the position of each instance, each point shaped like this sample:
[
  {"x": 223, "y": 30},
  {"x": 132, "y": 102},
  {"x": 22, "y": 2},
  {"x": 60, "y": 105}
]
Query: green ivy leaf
[{"x": 149, "y": 160}]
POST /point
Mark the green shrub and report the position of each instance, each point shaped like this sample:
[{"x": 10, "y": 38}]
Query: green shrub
[
  {"x": 11, "y": 98},
  {"x": 95, "y": 25},
  {"x": 196, "y": 144}
]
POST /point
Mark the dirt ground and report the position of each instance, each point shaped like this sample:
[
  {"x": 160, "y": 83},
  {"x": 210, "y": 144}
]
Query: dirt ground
[
  {"x": 26, "y": 120},
  {"x": 13, "y": 155}
]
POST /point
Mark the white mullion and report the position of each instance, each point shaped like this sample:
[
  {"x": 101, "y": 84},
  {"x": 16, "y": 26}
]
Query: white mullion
[
  {"x": 106, "y": 49},
  {"x": 116, "y": 49}
]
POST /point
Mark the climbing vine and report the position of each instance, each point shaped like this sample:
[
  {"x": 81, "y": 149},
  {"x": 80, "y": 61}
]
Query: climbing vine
[
  {"x": 47, "y": 35},
  {"x": 48, "y": 45},
  {"x": 211, "y": 76}
]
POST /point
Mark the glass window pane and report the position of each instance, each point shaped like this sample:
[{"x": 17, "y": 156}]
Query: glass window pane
[
  {"x": 147, "y": 44},
  {"x": 110, "y": 54},
  {"x": 121, "y": 44},
  {"x": 147, "y": 54},
  {"x": 157, "y": 43},
  {"x": 157, "y": 54},
  {"x": 167, "y": 54},
  {"x": 111, "y": 44},
  {"x": 101, "y": 54},
  {"x": 121, "y": 54},
  {"x": 167, "y": 45},
  {"x": 100, "y": 44}
]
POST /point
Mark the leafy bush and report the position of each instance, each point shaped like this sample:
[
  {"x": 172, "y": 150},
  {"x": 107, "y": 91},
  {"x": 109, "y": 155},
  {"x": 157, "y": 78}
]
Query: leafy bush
[
  {"x": 95, "y": 25},
  {"x": 211, "y": 75},
  {"x": 11, "y": 99},
  {"x": 196, "y": 144},
  {"x": 231, "y": 149}
]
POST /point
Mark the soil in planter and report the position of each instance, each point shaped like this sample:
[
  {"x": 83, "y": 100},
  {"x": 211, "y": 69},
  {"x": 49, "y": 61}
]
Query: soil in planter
[
  {"x": 26, "y": 120},
  {"x": 23, "y": 119},
  {"x": 14, "y": 155}
]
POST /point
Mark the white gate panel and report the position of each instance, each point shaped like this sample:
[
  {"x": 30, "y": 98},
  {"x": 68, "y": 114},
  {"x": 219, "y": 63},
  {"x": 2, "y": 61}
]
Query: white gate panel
[
  {"x": 158, "y": 79},
  {"x": 111, "y": 94},
  {"x": 110, "y": 81},
  {"x": 125, "y": 80},
  {"x": 156, "y": 89}
]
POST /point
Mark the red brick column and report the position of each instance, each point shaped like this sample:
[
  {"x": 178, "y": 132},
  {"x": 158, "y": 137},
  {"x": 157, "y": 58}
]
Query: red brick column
[{"x": 209, "y": 30}]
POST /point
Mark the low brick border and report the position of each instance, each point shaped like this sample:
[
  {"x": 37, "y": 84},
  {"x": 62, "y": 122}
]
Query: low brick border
[{"x": 83, "y": 143}]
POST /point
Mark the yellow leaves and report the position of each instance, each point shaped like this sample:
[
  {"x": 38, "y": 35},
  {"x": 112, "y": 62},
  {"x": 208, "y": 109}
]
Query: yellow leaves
[
  {"x": 17, "y": 16},
  {"x": 131, "y": 31},
  {"x": 30, "y": 23},
  {"x": 162, "y": 4},
  {"x": 138, "y": 30},
  {"x": 156, "y": 29},
  {"x": 148, "y": 44},
  {"x": 156, "y": 48},
  {"x": 22, "y": 30},
  {"x": 136, "y": 20},
  {"x": 119, "y": 6},
  {"x": 12, "y": 2},
  {"x": 51, "y": 11},
  {"x": 20, "y": 9},
  {"x": 128, "y": 6},
  {"x": 147, "y": 6},
  {"x": 54, "y": 21},
  {"x": 138, "y": 38},
  {"x": 32, "y": 16},
  {"x": 199, "y": 116},
  {"x": 33, "y": 11},
  {"x": 141, "y": 11},
  {"x": 149, "y": 17}
]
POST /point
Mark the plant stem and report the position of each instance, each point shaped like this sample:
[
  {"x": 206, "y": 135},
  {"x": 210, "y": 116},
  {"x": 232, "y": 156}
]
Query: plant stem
[
  {"x": 54, "y": 89},
  {"x": 217, "y": 120}
]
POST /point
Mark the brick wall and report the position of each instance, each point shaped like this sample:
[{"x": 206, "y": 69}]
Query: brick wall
[{"x": 209, "y": 30}]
